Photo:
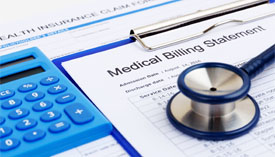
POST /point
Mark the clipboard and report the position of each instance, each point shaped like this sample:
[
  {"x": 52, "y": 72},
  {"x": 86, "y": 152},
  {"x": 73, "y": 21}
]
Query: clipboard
[{"x": 146, "y": 31}]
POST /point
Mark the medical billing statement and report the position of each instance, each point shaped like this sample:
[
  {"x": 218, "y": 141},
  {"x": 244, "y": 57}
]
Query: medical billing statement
[{"x": 132, "y": 87}]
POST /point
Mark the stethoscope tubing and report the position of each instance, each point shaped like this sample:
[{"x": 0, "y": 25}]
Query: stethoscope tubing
[{"x": 260, "y": 62}]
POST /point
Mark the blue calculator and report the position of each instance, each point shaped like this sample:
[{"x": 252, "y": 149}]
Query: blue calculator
[{"x": 42, "y": 113}]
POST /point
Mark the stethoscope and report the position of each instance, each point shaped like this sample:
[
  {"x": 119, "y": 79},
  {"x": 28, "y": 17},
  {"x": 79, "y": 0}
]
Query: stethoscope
[{"x": 213, "y": 102}]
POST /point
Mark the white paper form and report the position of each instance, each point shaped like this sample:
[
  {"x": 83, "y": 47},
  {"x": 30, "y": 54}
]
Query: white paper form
[
  {"x": 59, "y": 32},
  {"x": 132, "y": 88},
  {"x": 74, "y": 29},
  {"x": 106, "y": 146}
]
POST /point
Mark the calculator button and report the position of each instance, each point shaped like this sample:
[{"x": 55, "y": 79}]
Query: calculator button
[
  {"x": 9, "y": 144},
  {"x": 2, "y": 120},
  {"x": 49, "y": 80},
  {"x": 50, "y": 116},
  {"x": 78, "y": 113},
  {"x": 57, "y": 89},
  {"x": 26, "y": 124},
  {"x": 35, "y": 96},
  {"x": 65, "y": 98},
  {"x": 59, "y": 127},
  {"x": 6, "y": 94},
  {"x": 42, "y": 106},
  {"x": 12, "y": 103},
  {"x": 18, "y": 113},
  {"x": 27, "y": 87},
  {"x": 5, "y": 131},
  {"x": 34, "y": 135}
]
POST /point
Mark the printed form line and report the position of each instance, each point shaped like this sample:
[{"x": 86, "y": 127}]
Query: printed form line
[{"x": 82, "y": 25}]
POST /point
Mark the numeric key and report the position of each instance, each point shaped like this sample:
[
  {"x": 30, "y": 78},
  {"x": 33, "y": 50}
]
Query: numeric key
[
  {"x": 26, "y": 124},
  {"x": 50, "y": 116},
  {"x": 9, "y": 144},
  {"x": 5, "y": 131},
  {"x": 12, "y": 103},
  {"x": 42, "y": 106},
  {"x": 34, "y": 96},
  {"x": 18, "y": 113}
]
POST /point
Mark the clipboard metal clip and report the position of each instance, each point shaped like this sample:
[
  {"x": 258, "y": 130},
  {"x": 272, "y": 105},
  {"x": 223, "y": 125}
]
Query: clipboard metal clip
[{"x": 164, "y": 26}]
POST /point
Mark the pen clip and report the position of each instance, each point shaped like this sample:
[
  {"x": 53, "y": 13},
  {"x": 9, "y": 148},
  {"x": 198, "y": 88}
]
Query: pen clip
[{"x": 150, "y": 30}]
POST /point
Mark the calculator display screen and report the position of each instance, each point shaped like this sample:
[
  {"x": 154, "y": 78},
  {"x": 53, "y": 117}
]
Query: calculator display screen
[
  {"x": 21, "y": 74},
  {"x": 21, "y": 60}
]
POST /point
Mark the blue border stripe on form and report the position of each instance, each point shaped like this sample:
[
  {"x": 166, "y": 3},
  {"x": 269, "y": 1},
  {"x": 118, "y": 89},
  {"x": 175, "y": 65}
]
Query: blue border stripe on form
[
  {"x": 82, "y": 25},
  {"x": 58, "y": 62}
]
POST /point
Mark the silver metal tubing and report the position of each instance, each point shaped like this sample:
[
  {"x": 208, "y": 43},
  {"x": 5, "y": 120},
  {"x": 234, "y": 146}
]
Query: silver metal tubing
[
  {"x": 189, "y": 115},
  {"x": 210, "y": 110},
  {"x": 189, "y": 19}
]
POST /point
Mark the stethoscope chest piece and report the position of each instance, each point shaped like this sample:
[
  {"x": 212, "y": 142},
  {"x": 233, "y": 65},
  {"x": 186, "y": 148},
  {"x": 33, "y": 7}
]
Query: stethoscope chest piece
[{"x": 213, "y": 102}]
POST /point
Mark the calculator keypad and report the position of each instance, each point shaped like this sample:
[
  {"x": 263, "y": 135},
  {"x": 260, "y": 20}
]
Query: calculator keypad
[{"x": 76, "y": 112}]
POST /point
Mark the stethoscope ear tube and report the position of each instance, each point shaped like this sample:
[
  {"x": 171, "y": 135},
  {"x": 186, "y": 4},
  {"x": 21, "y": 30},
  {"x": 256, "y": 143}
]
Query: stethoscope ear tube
[{"x": 260, "y": 62}]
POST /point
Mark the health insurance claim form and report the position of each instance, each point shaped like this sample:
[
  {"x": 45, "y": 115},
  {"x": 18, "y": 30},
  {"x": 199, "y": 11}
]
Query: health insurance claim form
[
  {"x": 89, "y": 24},
  {"x": 132, "y": 88}
]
